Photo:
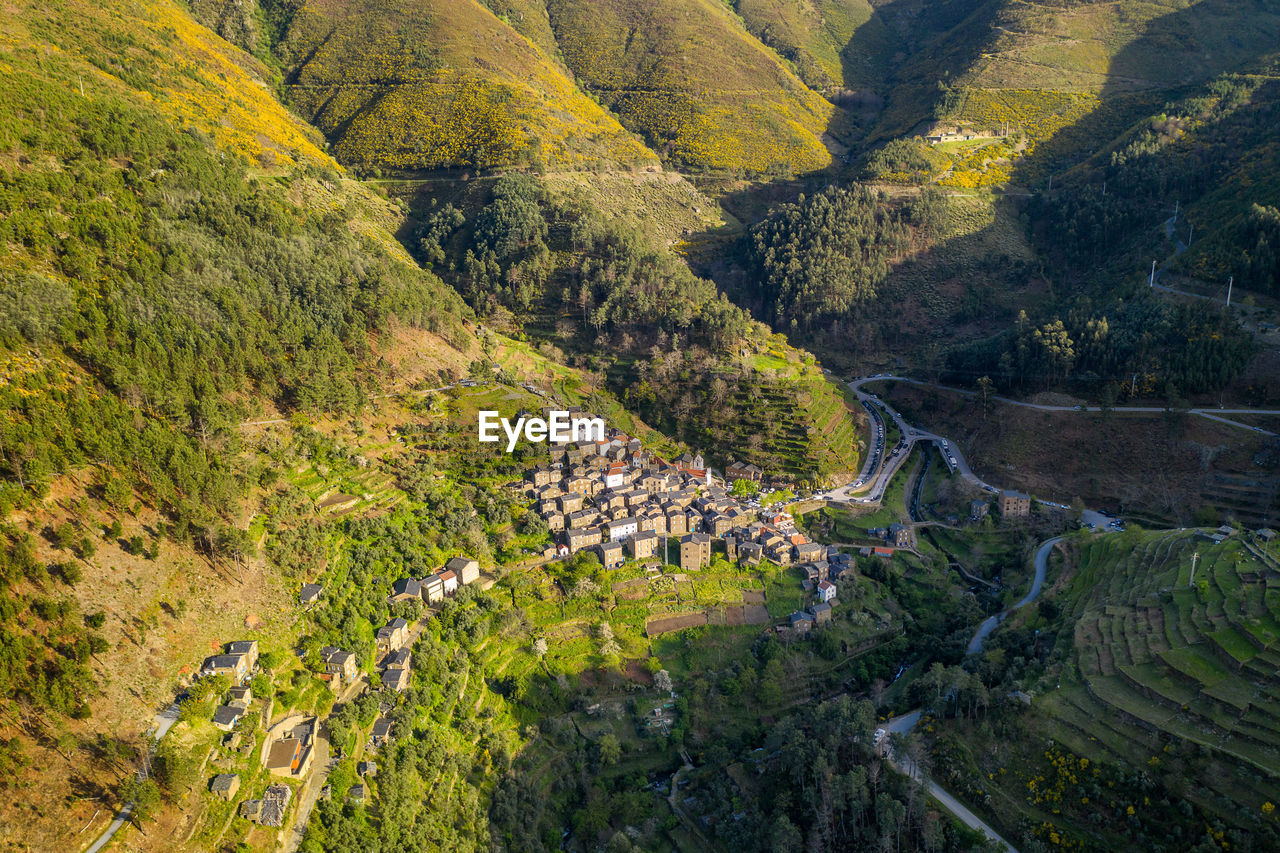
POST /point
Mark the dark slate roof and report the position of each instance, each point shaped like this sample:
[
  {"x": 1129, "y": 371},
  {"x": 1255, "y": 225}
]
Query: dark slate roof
[{"x": 227, "y": 715}]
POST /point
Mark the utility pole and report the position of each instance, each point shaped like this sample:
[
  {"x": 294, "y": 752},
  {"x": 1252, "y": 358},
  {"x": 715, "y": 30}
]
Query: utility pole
[
  {"x": 1194, "y": 558},
  {"x": 1230, "y": 279},
  {"x": 1191, "y": 233},
  {"x": 1133, "y": 386},
  {"x": 1152, "y": 279},
  {"x": 1175, "y": 211},
  {"x": 1104, "y": 188}
]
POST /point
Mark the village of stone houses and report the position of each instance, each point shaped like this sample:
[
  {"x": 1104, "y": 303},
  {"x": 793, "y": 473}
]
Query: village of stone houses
[{"x": 694, "y": 546}]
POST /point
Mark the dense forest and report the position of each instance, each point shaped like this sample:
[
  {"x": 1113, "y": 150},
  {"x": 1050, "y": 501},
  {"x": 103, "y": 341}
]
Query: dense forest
[
  {"x": 1259, "y": 267},
  {"x": 131, "y": 324},
  {"x": 594, "y": 293},
  {"x": 1191, "y": 156},
  {"x": 559, "y": 261},
  {"x": 1112, "y": 351},
  {"x": 823, "y": 257}
]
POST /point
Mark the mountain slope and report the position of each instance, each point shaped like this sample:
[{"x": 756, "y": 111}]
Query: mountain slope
[
  {"x": 694, "y": 83},
  {"x": 178, "y": 256},
  {"x": 422, "y": 84}
]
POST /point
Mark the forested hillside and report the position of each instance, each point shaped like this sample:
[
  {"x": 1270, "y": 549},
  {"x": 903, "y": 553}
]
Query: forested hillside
[
  {"x": 157, "y": 271},
  {"x": 251, "y": 248},
  {"x": 597, "y": 292},
  {"x": 183, "y": 261},
  {"x": 179, "y": 256}
]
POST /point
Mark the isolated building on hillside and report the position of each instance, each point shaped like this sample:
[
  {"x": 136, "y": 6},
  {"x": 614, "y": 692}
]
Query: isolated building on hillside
[
  {"x": 432, "y": 588},
  {"x": 310, "y": 593},
  {"x": 400, "y": 657},
  {"x": 467, "y": 569},
  {"x": 268, "y": 811},
  {"x": 978, "y": 510},
  {"x": 406, "y": 589},
  {"x": 826, "y": 591},
  {"x": 392, "y": 635},
  {"x": 289, "y": 757},
  {"x": 1014, "y": 504},
  {"x": 339, "y": 665},
  {"x": 225, "y": 785},
  {"x": 226, "y": 717},
  {"x": 381, "y": 733},
  {"x": 235, "y": 667},
  {"x": 248, "y": 648},
  {"x": 396, "y": 678}
]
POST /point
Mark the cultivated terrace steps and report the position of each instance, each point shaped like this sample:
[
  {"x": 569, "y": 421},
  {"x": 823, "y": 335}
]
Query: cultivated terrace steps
[{"x": 1162, "y": 655}]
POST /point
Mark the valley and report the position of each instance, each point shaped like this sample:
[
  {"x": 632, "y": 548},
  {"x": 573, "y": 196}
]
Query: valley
[{"x": 934, "y": 505}]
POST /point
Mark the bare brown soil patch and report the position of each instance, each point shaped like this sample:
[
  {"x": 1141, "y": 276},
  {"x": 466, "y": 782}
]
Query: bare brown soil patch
[
  {"x": 666, "y": 624},
  {"x": 632, "y": 590}
]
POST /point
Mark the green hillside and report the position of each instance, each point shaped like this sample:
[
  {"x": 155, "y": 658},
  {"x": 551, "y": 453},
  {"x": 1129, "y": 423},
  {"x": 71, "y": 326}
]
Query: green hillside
[
  {"x": 419, "y": 84},
  {"x": 689, "y": 79},
  {"x": 814, "y": 35},
  {"x": 264, "y": 262},
  {"x": 1169, "y": 676}
]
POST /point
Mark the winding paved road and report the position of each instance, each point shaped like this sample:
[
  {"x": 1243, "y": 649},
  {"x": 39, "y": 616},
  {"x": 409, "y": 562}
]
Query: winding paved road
[
  {"x": 881, "y": 464},
  {"x": 906, "y": 722},
  {"x": 1209, "y": 413},
  {"x": 903, "y": 764},
  {"x": 869, "y": 489},
  {"x": 989, "y": 625}
]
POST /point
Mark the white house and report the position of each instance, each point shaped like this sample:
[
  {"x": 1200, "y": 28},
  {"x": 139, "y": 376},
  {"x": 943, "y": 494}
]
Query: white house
[
  {"x": 616, "y": 476},
  {"x": 622, "y": 529}
]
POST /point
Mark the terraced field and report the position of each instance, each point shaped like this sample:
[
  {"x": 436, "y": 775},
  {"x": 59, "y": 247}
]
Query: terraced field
[{"x": 1163, "y": 656}]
